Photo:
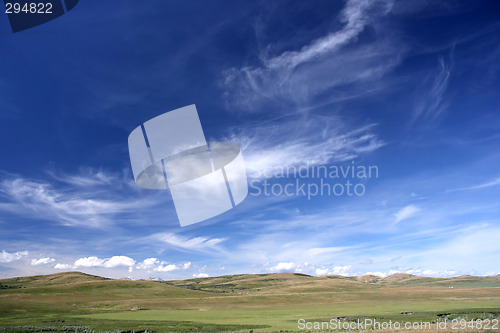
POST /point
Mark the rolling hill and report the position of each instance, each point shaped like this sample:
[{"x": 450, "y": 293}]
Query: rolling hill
[{"x": 258, "y": 302}]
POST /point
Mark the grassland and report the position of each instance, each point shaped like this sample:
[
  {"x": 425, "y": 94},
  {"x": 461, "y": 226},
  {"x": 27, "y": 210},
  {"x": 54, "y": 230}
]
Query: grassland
[{"x": 75, "y": 302}]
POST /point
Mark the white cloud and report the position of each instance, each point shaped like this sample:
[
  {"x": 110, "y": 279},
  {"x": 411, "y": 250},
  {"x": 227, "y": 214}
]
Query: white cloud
[
  {"x": 67, "y": 205},
  {"x": 383, "y": 274},
  {"x": 9, "y": 257},
  {"x": 197, "y": 244},
  {"x": 322, "y": 64},
  {"x": 112, "y": 262},
  {"x": 166, "y": 268},
  {"x": 342, "y": 270},
  {"x": 321, "y": 271},
  {"x": 88, "y": 177},
  {"x": 417, "y": 272},
  {"x": 430, "y": 272},
  {"x": 314, "y": 140},
  {"x": 356, "y": 15},
  {"x": 494, "y": 182},
  {"x": 42, "y": 261},
  {"x": 405, "y": 213},
  {"x": 200, "y": 275},
  {"x": 162, "y": 266},
  {"x": 148, "y": 263},
  {"x": 63, "y": 266},
  {"x": 89, "y": 262},
  {"x": 430, "y": 104},
  {"x": 116, "y": 261},
  {"x": 336, "y": 270},
  {"x": 326, "y": 250},
  {"x": 284, "y": 267}
]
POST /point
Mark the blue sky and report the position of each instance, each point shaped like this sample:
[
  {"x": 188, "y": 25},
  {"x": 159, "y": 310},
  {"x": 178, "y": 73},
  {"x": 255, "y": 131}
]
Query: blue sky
[{"x": 408, "y": 87}]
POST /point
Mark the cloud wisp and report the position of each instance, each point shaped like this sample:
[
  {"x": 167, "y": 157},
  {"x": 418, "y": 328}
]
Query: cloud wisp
[
  {"x": 198, "y": 244},
  {"x": 323, "y": 64},
  {"x": 72, "y": 204},
  {"x": 406, "y": 213},
  {"x": 313, "y": 139},
  {"x": 431, "y": 103},
  {"x": 494, "y": 182}
]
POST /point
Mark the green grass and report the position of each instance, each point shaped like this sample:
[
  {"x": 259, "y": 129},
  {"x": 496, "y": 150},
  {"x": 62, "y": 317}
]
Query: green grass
[
  {"x": 285, "y": 318},
  {"x": 264, "y": 302}
]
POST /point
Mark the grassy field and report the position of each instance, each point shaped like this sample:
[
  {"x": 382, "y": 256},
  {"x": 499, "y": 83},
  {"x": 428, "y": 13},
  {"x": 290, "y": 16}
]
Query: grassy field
[{"x": 76, "y": 302}]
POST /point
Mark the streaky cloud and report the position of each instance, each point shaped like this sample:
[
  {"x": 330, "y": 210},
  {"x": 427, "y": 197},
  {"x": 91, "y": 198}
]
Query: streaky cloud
[
  {"x": 494, "y": 182},
  {"x": 298, "y": 77},
  {"x": 431, "y": 102}
]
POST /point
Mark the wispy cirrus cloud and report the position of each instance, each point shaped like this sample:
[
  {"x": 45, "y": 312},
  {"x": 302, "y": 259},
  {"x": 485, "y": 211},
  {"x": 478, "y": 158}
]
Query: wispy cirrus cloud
[
  {"x": 327, "y": 250},
  {"x": 355, "y": 16},
  {"x": 313, "y": 139},
  {"x": 183, "y": 243},
  {"x": 306, "y": 74},
  {"x": 88, "y": 178},
  {"x": 494, "y": 182},
  {"x": 431, "y": 102},
  {"x": 70, "y": 204},
  {"x": 296, "y": 76},
  {"x": 311, "y": 76},
  {"x": 406, "y": 213}
]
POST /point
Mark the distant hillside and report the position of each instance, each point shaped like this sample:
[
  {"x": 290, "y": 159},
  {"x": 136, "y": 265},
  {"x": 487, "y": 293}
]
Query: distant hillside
[
  {"x": 74, "y": 301},
  {"x": 286, "y": 282},
  {"x": 57, "y": 279},
  {"x": 245, "y": 283},
  {"x": 84, "y": 287}
]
